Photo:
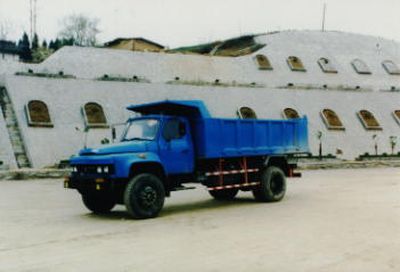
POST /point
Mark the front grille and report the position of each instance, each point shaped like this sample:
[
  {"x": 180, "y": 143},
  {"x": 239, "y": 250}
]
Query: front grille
[{"x": 92, "y": 169}]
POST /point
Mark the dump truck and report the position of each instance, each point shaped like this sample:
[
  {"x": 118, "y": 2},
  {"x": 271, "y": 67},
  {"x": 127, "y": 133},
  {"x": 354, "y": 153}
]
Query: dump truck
[{"x": 169, "y": 144}]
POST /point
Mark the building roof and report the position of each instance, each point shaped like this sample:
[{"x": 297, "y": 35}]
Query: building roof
[
  {"x": 234, "y": 47},
  {"x": 118, "y": 40}
]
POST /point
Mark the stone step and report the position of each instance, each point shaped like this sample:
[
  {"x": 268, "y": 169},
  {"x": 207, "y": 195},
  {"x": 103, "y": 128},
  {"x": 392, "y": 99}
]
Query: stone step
[
  {"x": 18, "y": 149},
  {"x": 22, "y": 161},
  {"x": 11, "y": 123},
  {"x": 14, "y": 131},
  {"x": 12, "y": 128},
  {"x": 14, "y": 134},
  {"x": 16, "y": 142},
  {"x": 9, "y": 112}
]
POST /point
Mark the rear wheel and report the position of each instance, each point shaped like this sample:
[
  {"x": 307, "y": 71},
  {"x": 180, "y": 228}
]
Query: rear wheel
[
  {"x": 144, "y": 196},
  {"x": 226, "y": 194},
  {"x": 98, "y": 202},
  {"x": 272, "y": 187}
]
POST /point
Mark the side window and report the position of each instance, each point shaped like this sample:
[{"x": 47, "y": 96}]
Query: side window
[
  {"x": 290, "y": 113},
  {"x": 38, "y": 114},
  {"x": 263, "y": 62},
  {"x": 332, "y": 120},
  {"x": 391, "y": 67},
  {"x": 296, "y": 64},
  {"x": 326, "y": 66},
  {"x": 174, "y": 129},
  {"x": 246, "y": 113},
  {"x": 368, "y": 120},
  {"x": 360, "y": 67},
  {"x": 94, "y": 115}
]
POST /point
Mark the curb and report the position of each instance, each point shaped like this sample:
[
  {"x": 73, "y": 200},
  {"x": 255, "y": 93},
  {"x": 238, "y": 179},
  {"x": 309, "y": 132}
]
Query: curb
[{"x": 27, "y": 174}]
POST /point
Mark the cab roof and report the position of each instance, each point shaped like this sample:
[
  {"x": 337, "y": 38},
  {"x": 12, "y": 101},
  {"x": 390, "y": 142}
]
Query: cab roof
[{"x": 188, "y": 108}]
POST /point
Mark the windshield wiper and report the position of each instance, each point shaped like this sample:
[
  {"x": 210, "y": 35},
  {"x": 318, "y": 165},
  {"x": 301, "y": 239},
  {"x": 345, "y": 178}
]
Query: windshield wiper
[{"x": 137, "y": 139}]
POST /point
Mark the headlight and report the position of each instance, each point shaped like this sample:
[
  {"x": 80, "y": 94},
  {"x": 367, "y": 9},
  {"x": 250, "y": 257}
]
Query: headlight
[
  {"x": 74, "y": 169},
  {"x": 105, "y": 169},
  {"x": 99, "y": 169}
]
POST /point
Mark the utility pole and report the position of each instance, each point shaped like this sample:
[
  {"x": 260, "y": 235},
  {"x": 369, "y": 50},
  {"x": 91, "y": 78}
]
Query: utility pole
[
  {"x": 33, "y": 18},
  {"x": 323, "y": 17}
]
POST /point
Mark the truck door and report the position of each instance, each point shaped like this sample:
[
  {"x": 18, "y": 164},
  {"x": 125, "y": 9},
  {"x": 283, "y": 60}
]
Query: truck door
[{"x": 176, "y": 149}]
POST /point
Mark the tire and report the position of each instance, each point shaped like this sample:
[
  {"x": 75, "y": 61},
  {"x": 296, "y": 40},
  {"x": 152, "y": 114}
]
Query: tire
[
  {"x": 144, "y": 196},
  {"x": 98, "y": 202},
  {"x": 226, "y": 194},
  {"x": 272, "y": 187}
]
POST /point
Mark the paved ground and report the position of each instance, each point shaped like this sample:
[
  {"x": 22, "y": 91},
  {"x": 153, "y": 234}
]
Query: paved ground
[{"x": 332, "y": 220}]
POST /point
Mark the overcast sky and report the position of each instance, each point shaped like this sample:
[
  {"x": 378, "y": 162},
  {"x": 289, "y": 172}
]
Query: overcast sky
[{"x": 184, "y": 22}]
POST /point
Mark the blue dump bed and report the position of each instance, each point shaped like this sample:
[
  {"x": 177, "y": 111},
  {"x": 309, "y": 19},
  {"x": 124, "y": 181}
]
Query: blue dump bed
[{"x": 216, "y": 138}]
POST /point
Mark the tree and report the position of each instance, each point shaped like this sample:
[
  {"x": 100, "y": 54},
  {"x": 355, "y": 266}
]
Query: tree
[
  {"x": 80, "y": 30},
  {"x": 55, "y": 45},
  {"x": 24, "y": 46},
  {"x": 35, "y": 42},
  {"x": 44, "y": 44}
]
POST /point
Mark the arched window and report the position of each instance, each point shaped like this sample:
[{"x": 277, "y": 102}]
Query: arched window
[
  {"x": 296, "y": 64},
  {"x": 368, "y": 120},
  {"x": 94, "y": 115},
  {"x": 290, "y": 113},
  {"x": 246, "y": 113},
  {"x": 263, "y": 62},
  {"x": 360, "y": 67},
  {"x": 396, "y": 115},
  {"x": 327, "y": 66},
  {"x": 391, "y": 67},
  {"x": 38, "y": 114},
  {"x": 332, "y": 120}
]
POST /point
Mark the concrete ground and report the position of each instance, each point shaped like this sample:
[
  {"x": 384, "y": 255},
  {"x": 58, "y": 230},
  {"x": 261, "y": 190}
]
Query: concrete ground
[{"x": 330, "y": 220}]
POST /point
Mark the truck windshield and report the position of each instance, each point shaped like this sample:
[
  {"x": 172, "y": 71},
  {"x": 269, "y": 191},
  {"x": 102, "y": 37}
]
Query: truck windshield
[{"x": 144, "y": 129}]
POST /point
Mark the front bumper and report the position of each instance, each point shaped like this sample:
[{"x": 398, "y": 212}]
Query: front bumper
[{"x": 88, "y": 183}]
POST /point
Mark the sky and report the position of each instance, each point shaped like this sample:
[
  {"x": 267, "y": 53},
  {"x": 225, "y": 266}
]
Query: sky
[{"x": 186, "y": 22}]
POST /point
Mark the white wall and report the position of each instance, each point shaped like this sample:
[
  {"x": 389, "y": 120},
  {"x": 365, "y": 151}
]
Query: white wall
[{"x": 65, "y": 97}]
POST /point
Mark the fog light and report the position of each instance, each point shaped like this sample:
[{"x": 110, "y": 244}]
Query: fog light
[
  {"x": 66, "y": 182},
  {"x": 100, "y": 180}
]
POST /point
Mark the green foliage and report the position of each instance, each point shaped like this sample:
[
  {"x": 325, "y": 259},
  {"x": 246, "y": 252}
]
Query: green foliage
[{"x": 40, "y": 54}]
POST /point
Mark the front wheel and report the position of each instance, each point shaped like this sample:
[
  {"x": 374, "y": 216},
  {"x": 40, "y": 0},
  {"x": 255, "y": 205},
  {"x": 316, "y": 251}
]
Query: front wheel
[
  {"x": 98, "y": 202},
  {"x": 272, "y": 187},
  {"x": 225, "y": 194},
  {"x": 144, "y": 196}
]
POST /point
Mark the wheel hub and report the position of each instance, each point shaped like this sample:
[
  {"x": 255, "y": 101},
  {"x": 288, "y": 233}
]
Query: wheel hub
[
  {"x": 276, "y": 184},
  {"x": 148, "y": 196}
]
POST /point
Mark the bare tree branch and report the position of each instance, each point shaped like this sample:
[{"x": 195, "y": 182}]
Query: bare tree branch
[{"x": 81, "y": 29}]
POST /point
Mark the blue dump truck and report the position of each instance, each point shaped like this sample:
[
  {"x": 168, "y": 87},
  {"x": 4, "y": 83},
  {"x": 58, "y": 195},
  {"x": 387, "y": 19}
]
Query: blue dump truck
[{"x": 178, "y": 142}]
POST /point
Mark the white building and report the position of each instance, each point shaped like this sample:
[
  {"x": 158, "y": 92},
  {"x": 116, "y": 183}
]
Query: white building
[{"x": 348, "y": 85}]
